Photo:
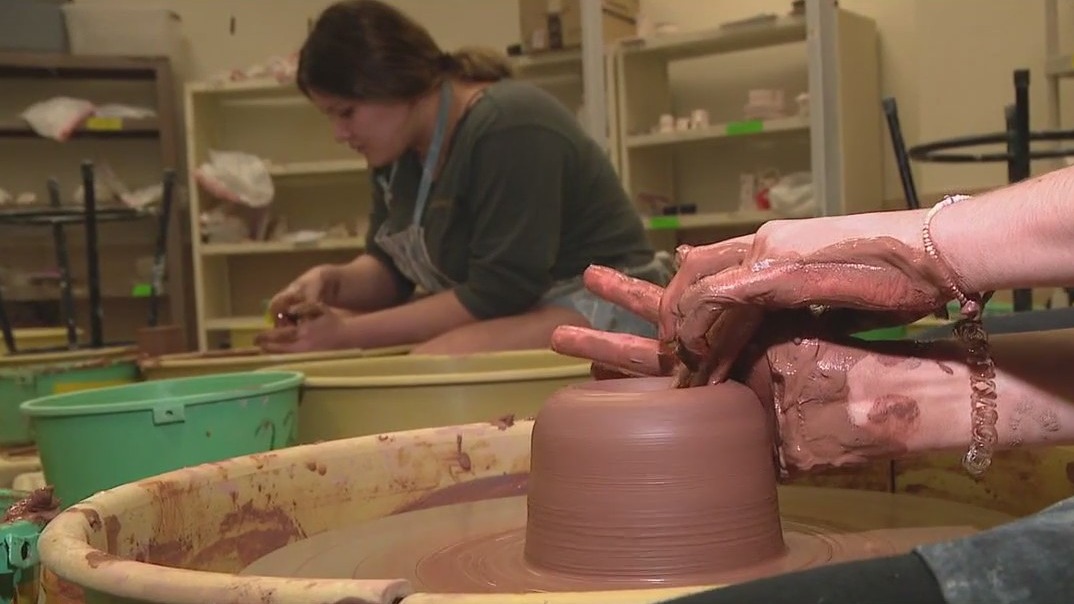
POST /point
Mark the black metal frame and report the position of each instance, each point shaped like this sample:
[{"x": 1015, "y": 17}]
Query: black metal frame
[
  {"x": 1018, "y": 155},
  {"x": 56, "y": 217}
]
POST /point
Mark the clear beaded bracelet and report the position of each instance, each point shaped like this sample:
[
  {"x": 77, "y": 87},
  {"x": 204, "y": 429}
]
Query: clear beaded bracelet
[{"x": 971, "y": 333}]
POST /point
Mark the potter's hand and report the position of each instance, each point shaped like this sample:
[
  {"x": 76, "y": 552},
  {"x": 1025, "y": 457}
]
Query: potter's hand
[
  {"x": 320, "y": 284},
  {"x": 318, "y": 328},
  {"x": 866, "y": 270},
  {"x": 858, "y": 271}
]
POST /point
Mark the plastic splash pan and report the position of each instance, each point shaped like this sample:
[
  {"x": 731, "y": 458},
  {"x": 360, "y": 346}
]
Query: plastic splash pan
[{"x": 357, "y": 397}]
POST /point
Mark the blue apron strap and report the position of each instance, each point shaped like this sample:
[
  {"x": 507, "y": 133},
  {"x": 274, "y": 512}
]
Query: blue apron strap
[
  {"x": 429, "y": 168},
  {"x": 386, "y": 184}
]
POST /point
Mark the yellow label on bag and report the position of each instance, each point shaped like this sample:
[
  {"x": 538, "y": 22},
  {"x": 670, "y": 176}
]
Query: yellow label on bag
[{"x": 104, "y": 123}]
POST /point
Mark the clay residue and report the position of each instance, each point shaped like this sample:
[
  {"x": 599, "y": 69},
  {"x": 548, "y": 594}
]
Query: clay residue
[
  {"x": 810, "y": 396},
  {"x": 39, "y": 507},
  {"x": 504, "y": 421},
  {"x": 96, "y": 558},
  {"x": 461, "y": 456},
  {"x": 489, "y": 487},
  {"x": 112, "y": 527},
  {"x": 896, "y": 416},
  {"x": 93, "y": 518},
  {"x": 245, "y": 535}
]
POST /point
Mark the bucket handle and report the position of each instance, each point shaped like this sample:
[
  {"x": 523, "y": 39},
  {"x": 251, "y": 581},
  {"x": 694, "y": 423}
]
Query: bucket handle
[
  {"x": 169, "y": 413},
  {"x": 21, "y": 545}
]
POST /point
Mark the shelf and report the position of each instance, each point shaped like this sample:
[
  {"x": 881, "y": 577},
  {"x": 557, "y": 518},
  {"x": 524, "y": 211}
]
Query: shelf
[
  {"x": 709, "y": 220},
  {"x": 730, "y": 38},
  {"x": 230, "y": 323},
  {"x": 1059, "y": 66},
  {"x": 563, "y": 58},
  {"x": 69, "y": 66},
  {"x": 258, "y": 91},
  {"x": 318, "y": 168},
  {"x": 717, "y": 131},
  {"x": 281, "y": 247},
  {"x": 94, "y": 127}
]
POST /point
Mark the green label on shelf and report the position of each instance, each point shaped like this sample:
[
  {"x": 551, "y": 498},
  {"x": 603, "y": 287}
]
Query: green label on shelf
[
  {"x": 746, "y": 127},
  {"x": 664, "y": 222},
  {"x": 104, "y": 123},
  {"x": 142, "y": 290}
]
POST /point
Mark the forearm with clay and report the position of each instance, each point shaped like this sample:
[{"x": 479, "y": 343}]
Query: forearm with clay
[{"x": 839, "y": 404}]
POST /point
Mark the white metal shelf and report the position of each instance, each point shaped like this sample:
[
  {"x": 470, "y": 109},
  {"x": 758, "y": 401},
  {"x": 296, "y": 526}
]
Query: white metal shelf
[
  {"x": 843, "y": 128},
  {"x": 724, "y": 39},
  {"x": 720, "y": 131}
]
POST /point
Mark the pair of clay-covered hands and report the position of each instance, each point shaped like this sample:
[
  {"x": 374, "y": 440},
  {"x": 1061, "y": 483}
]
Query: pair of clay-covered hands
[{"x": 731, "y": 305}]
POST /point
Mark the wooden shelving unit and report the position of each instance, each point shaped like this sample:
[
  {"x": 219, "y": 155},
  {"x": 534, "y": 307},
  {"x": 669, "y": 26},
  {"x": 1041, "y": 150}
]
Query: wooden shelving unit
[
  {"x": 318, "y": 184},
  {"x": 839, "y": 141},
  {"x": 137, "y": 150}
]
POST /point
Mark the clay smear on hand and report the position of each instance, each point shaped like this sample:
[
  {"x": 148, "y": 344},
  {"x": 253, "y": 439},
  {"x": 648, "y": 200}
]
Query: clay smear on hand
[{"x": 810, "y": 394}]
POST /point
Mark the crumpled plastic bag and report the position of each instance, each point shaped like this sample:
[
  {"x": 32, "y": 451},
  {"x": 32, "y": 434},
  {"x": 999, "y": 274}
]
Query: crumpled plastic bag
[
  {"x": 792, "y": 196},
  {"x": 281, "y": 69},
  {"x": 237, "y": 177},
  {"x": 57, "y": 117}
]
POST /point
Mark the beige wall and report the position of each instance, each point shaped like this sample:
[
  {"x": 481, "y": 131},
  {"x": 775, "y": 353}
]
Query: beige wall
[{"x": 949, "y": 76}]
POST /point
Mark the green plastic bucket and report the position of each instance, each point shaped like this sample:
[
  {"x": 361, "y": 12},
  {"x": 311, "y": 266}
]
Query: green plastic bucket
[
  {"x": 97, "y": 439},
  {"x": 18, "y": 554},
  {"x": 34, "y": 375}
]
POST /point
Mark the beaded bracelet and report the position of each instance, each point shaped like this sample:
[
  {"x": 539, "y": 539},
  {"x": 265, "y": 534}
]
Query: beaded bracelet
[{"x": 971, "y": 333}]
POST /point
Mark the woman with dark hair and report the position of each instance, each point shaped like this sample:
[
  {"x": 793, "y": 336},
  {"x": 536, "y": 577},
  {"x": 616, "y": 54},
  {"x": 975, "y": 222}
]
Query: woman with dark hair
[{"x": 489, "y": 197}]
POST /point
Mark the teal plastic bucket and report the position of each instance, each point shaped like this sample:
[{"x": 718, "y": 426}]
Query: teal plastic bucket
[
  {"x": 19, "y": 384},
  {"x": 18, "y": 554},
  {"x": 97, "y": 439}
]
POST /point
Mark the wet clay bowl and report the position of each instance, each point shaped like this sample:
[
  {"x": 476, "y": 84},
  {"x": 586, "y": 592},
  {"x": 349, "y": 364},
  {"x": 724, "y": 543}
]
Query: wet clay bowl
[
  {"x": 184, "y": 537},
  {"x": 359, "y": 397},
  {"x": 192, "y": 364}
]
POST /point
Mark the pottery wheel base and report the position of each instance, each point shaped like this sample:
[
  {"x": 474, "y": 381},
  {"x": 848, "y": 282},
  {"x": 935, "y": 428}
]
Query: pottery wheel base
[{"x": 477, "y": 547}]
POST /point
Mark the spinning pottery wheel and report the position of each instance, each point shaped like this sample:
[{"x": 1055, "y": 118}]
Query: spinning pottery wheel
[{"x": 463, "y": 512}]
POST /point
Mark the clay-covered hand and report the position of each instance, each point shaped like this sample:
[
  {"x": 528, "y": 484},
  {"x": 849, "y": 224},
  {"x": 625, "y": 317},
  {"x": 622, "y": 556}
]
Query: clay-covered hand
[
  {"x": 858, "y": 272},
  {"x": 319, "y": 284},
  {"x": 863, "y": 271},
  {"x": 317, "y": 327}
]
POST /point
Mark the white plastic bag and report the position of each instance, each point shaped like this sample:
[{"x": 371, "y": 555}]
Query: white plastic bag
[
  {"x": 792, "y": 196},
  {"x": 237, "y": 177},
  {"x": 57, "y": 117}
]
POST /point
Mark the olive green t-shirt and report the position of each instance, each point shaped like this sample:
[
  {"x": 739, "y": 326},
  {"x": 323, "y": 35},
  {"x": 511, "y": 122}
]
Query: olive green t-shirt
[{"x": 525, "y": 198}]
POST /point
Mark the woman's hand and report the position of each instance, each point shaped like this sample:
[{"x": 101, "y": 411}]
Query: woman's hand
[
  {"x": 319, "y": 285},
  {"x": 319, "y": 328}
]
